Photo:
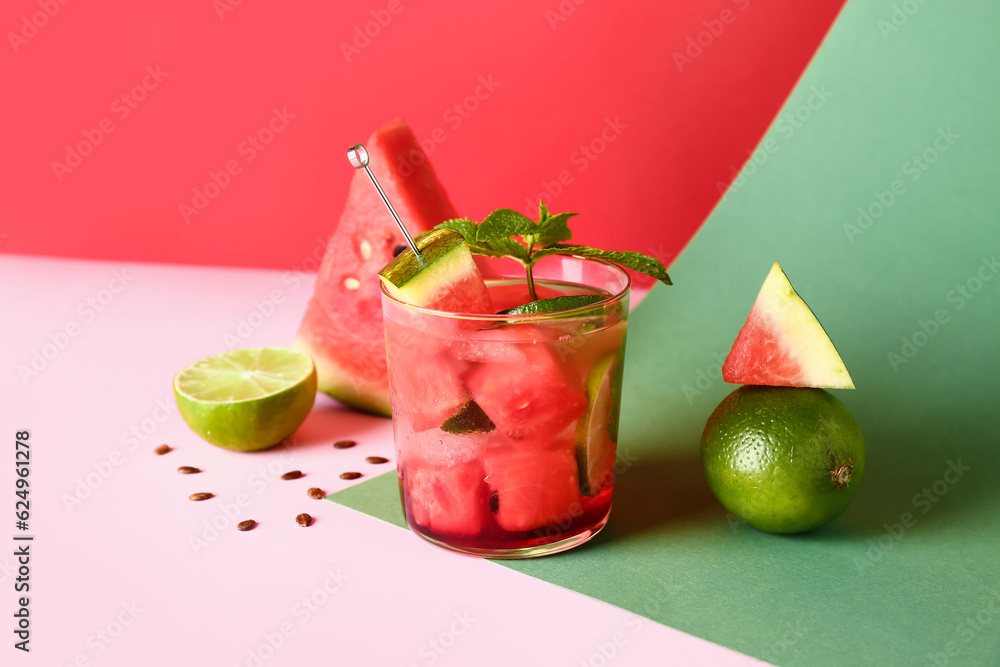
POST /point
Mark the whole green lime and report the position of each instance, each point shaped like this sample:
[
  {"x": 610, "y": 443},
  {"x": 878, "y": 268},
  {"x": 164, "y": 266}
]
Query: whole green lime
[
  {"x": 247, "y": 399},
  {"x": 783, "y": 459}
]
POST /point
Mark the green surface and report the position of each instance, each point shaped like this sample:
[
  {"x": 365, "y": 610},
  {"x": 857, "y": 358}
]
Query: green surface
[{"x": 910, "y": 574}]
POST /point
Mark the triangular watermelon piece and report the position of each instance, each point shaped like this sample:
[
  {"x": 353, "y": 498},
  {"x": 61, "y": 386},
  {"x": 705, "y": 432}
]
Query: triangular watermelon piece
[
  {"x": 342, "y": 327},
  {"x": 783, "y": 344}
]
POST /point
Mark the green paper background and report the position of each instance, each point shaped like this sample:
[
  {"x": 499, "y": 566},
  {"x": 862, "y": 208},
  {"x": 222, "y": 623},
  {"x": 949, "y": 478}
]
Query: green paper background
[{"x": 910, "y": 298}]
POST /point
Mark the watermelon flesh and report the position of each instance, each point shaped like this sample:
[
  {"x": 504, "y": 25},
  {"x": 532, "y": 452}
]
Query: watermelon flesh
[
  {"x": 342, "y": 327},
  {"x": 514, "y": 481},
  {"x": 536, "y": 482},
  {"x": 783, "y": 344},
  {"x": 434, "y": 379},
  {"x": 530, "y": 484},
  {"x": 540, "y": 408},
  {"x": 448, "y": 500}
]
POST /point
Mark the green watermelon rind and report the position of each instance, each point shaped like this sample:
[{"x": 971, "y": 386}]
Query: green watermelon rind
[
  {"x": 367, "y": 397},
  {"x": 445, "y": 261}
]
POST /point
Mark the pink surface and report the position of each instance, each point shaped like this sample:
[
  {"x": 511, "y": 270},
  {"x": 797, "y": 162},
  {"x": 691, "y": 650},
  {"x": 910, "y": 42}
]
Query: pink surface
[
  {"x": 121, "y": 114},
  {"x": 125, "y": 570}
]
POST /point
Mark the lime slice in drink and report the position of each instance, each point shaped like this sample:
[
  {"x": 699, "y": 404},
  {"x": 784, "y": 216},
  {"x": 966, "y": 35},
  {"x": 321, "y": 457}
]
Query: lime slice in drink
[
  {"x": 596, "y": 432},
  {"x": 247, "y": 399},
  {"x": 555, "y": 304}
]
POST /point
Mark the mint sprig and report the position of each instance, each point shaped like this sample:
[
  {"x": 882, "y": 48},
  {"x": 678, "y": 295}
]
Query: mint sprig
[{"x": 507, "y": 233}]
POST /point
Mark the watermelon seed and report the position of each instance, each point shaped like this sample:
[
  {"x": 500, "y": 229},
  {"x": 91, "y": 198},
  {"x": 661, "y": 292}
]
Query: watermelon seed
[
  {"x": 188, "y": 470},
  {"x": 249, "y": 524},
  {"x": 494, "y": 502},
  {"x": 293, "y": 474},
  {"x": 398, "y": 249},
  {"x": 304, "y": 520},
  {"x": 201, "y": 496},
  {"x": 350, "y": 475},
  {"x": 161, "y": 450},
  {"x": 376, "y": 459},
  {"x": 316, "y": 493},
  {"x": 366, "y": 250},
  {"x": 344, "y": 444},
  {"x": 352, "y": 283}
]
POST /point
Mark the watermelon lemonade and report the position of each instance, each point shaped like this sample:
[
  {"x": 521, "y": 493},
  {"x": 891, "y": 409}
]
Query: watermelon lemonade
[{"x": 506, "y": 423}]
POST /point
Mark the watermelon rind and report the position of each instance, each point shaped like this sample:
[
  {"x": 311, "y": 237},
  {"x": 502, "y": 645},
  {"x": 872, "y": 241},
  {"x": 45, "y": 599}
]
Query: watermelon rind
[
  {"x": 782, "y": 343},
  {"x": 363, "y": 393},
  {"x": 445, "y": 261}
]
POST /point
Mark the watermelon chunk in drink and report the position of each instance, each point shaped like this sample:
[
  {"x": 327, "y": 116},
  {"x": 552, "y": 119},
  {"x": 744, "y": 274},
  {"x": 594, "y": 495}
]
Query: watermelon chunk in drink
[
  {"x": 450, "y": 500},
  {"x": 532, "y": 393},
  {"x": 424, "y": 393},
  {"x": 536, "y": 483}
]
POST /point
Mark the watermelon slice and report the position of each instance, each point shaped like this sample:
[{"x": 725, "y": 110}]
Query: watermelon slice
[
  {"x": 783, "y": 344},
  {"x": 342, "y": 326}
]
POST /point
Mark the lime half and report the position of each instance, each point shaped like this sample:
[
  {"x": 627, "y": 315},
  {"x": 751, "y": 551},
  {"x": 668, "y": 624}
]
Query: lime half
[
  {"x": 783, "y": 459},
  {"x": 247, "y": 399}
]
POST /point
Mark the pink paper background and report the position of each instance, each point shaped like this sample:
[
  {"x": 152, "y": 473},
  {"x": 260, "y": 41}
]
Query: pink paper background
[{"x": 126, "y": 571}]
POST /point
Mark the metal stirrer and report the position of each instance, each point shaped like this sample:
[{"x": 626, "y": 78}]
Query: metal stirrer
[{"x": 359, "y": 160}]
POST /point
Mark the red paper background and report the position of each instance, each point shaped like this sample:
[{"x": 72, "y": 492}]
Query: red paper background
[{"x": 560, "y": 73}]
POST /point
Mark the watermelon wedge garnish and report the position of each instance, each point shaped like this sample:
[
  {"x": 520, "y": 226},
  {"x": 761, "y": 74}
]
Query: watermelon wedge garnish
[
  {"x": 783, "y": 344},
  {"x": 445, "y": 277},
  {"x": 342, "y": 326}
]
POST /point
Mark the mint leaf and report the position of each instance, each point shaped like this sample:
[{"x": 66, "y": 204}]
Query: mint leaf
[
  {"x": 470, "y": 418},
  {"x": 543, "y": 211},
  {"x": 505, "y": 223},
  {"x": 631, "y": 260},
  {"x": 467, "y": 228},
  {"x": 503, "y": 248},
  {"x": 555, "y": 229},
  {"x": 495, "y": 237}
]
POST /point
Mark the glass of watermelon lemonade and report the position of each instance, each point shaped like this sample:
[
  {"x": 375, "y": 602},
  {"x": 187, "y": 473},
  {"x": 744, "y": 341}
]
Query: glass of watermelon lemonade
[{"x": 506, "y": 425}]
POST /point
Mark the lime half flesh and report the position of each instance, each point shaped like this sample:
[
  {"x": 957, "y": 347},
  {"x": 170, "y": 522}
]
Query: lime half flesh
[{"x": 247, "y": 399}]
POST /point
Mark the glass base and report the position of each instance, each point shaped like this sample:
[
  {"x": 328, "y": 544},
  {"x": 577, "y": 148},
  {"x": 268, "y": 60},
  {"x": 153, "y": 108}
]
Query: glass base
[{"x": 524, "y": 552}]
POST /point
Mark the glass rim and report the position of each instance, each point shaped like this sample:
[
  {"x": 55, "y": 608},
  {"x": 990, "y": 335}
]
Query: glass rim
[{"x": 532, "y": 317}]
